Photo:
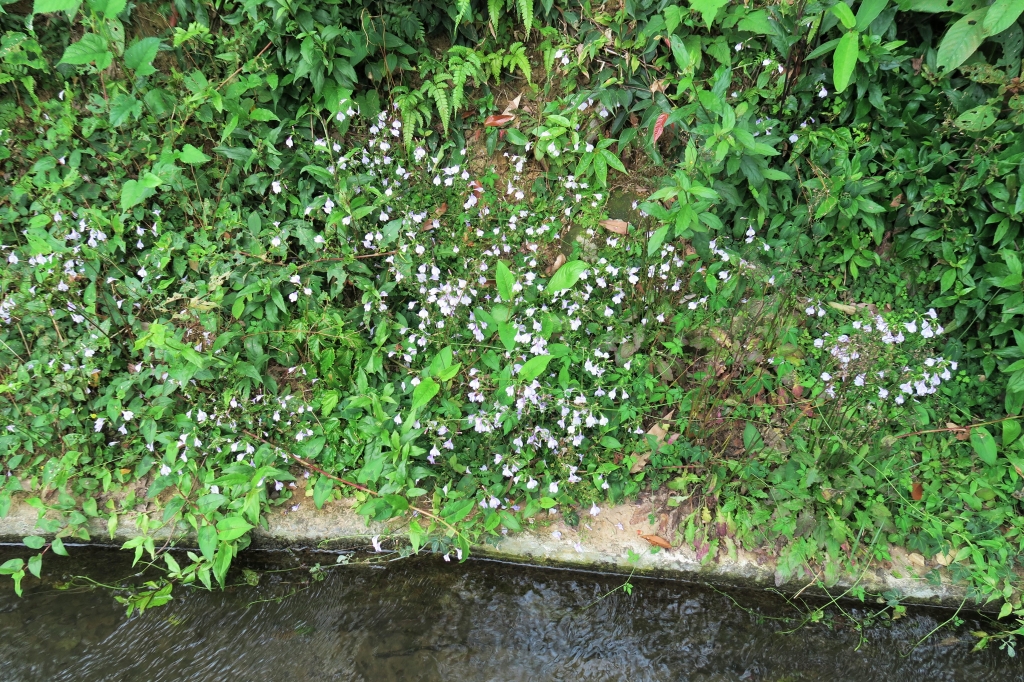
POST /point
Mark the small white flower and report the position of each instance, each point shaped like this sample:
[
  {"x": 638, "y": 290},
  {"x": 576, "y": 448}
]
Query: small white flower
[
  {"x": 127, "y": 415},
  {"x": 165, "y": 470},
  {"x": 825, "y": 376},
  {"x": 553, "y": 488},
  {"x": 142, "y": 272},
  {"x": 288, "y": 143},
  {"x": 793, "y": 138},
  {"x": 276, "y": 187},
  {"x": 594, "y": 509}
]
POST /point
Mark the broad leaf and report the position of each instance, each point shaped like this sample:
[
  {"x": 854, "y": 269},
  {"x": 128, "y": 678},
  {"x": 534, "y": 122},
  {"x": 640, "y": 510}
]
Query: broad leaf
[
  {"x": 1001, "y": 15},
  {"x": 845, "y": 14},
  {"x": 232, "y": 527},
  {"x": 868, "y": 12},
  {"x": 322, "y": 490},
  {"x": 505, "y": 280},
  {"x": 47, "y": 6},
  {"x": 708, "y": 9},
  {"x": 984, "y": 444},
  {"x": 566, "y": 276},
  {"x": 962, "y": 39},
  {"x": 844, "y": 61},
  {"x": 424, "y": 392},
  {"x": 139, "y": 57},
  {"x": 533, "y": 367},
  {"x": 91, "y": 48},
  {"x": 192, "y": 156}
]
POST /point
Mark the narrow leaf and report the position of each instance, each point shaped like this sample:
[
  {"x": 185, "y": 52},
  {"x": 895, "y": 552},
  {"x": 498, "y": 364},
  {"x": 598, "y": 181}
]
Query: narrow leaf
[{"x": 845, "y": 59}]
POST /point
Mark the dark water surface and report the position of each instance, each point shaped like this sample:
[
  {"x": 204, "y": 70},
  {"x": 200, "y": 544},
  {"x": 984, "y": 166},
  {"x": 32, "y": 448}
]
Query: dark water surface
[{"x": 423, "y": 619}]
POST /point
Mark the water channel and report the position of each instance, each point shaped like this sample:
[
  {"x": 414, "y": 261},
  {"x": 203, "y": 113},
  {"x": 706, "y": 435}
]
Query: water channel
[{"x": 424, "y": 619}]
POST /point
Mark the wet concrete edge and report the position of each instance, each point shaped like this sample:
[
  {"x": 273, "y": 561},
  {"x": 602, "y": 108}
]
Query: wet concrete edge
[{"x": 598, "y": 543}]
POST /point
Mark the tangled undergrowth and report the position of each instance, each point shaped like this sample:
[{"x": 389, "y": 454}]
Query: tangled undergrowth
[{"x": 243, "y": 280}]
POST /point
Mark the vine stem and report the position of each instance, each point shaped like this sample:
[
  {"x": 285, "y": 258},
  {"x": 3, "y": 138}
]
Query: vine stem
[{"x": 306, "y": 463}]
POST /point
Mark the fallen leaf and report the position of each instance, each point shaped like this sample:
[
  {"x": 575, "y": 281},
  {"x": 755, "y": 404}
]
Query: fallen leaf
[
  {"x": 944, "y": 559},
  {"x": 656, "y": 540},
  {"x": 498, "y": 120},
  {"x": 916, "y": 63},
  {"x": 513, "y": 105},
  {"x": 559, "y": 262},
  {"x": 616, "y": 226},
  {"x": 441, "y": 210},
  {"x": 916, "y": 559},
  {"x": 917, "y": 492},
  {"x": 798, "y": 390},
  {"x": 659, "y": 430},
  {"x": 895, "y": 203},
  {"x": 659, "y": 126}
]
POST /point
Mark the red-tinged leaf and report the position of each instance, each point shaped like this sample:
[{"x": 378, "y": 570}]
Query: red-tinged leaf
[
  {"x": 655, "y": 540},
  {"x": 917, "y": 492},
  {"x": 498, "y": 120},
  {"x": 477, "y": 187},
  {"x": 659, "y": 126}
]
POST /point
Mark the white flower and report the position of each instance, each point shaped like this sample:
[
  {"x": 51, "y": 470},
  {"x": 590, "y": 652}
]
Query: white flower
[
  {"x": 553, "y": 488},
  {"x": 288, "y": 142},
  {"x": 165, "y": 470},
  {"x": 739, "y": 46},
  {"x": 793, "y": 138},
  {"x": 99, "y": 424},
  {"x": 13, "y": 259},
  {"x": 127, "y": 415},
  {"x": 276, "y": 186},
  {"x": 142, "y": 272},
  {"x": 531, "y": 484},
  {"x": 594, "y": 509},
  {"x": 215, "y": 490},
  {"x": 823, "y": 93},
  {"x": 825, "y": 376}
]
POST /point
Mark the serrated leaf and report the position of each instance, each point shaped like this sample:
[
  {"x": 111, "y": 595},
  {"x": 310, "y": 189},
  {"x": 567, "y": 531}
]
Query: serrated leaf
[
  {"x": 139, "y": 57},
  {"x": 91, "y": 48},
  {"x": 192, "y": 155},
  {"x": 566, "y": 276},
  {"x": 845, "y": 59},
  {"x": 533, "y": 367},
  {"x": 505, "y": 281},
  {"x": 1001, "y": 15},
  {"x": 962, "y": 39},
  {"x": 424, "y": 393}
]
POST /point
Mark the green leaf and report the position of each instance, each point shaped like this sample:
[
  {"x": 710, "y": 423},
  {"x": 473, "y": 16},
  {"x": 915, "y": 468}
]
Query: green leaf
[
  {"x": 456, "y": 511},
  {"x": 136, "y": 191},
  {"x": 424, "y": 392},
  {"x": 962, "y": 39},
  {"x": 708, "y": 9},
  {"x": 322, "y": 490},
  {"x": 263, "y": 115},
  {"x": 47, "y": 6},
  {"x": 36, "y": 542},
  {"x": 984, "y": 444},
  {"x": 397, "y": 502},
  {"x": 207, "y": 541},
  {"x": 868, "y": 12},
  {"x": 57, "y": 545},
  {"x": 505, "y": 280},
  {"x": 211, "y": 502},
  {"x": 977, "y": 119},
  {"x": 193, "y": 156},
  {"x": 139, "y": 57},
  {"x": 566, "y": 276},
  {"x": 35, "y": 565},
  {"x": 657, "y": 239},
  {"x": 1011, "y": 430},
  {"x": 124, "y": 107},
  {"x": 845, "y": 59},
  {"x": 11, "y": 566},
  {"x": 845, "y": 14},
  {"x": 1001, "y": 15},
  {"x": 91, "y": 48},
  {"x": 533, "y": 367},
  {"x": 232, "y": 527}
]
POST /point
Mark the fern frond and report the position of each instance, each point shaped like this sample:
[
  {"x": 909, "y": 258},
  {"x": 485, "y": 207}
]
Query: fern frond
[
  {"x": 494, "y": 8},
  {"x": 517, "y": 58},
  {"x": 436, "y": 89},
  {"x": 526, "y": 13},
  {"x": 463, "y": 6}
]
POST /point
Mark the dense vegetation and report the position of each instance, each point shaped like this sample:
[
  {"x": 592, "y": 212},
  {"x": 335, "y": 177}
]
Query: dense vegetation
[{"x": 262, "y": 251}]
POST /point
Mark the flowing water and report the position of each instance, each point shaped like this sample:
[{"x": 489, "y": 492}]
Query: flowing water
[{"x": 423, "y": 619}]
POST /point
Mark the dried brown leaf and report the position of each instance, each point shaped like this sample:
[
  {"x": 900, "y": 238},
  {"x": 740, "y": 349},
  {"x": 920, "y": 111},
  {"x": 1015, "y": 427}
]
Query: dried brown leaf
[
  {"x": 498, "y": 120},
  {"x": 615, "y": 225},
  {"x": 656, "y": 540},
  {"x": 559, "y": 262}
]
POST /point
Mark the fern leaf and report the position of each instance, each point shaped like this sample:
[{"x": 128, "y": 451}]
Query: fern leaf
[
  {"x": 436, "y": 90},
  {"x": 494, "y": 10},
  {"x": 526, "y": 13},
  {"x": 463, "y": 6}
]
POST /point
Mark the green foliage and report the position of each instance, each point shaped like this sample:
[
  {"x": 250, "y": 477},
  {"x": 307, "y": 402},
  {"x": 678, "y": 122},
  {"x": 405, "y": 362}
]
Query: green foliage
[{"x": 228, "y": 287}]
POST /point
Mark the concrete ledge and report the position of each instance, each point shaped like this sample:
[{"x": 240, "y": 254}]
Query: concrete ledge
[{"x": 602, "y": 542}]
